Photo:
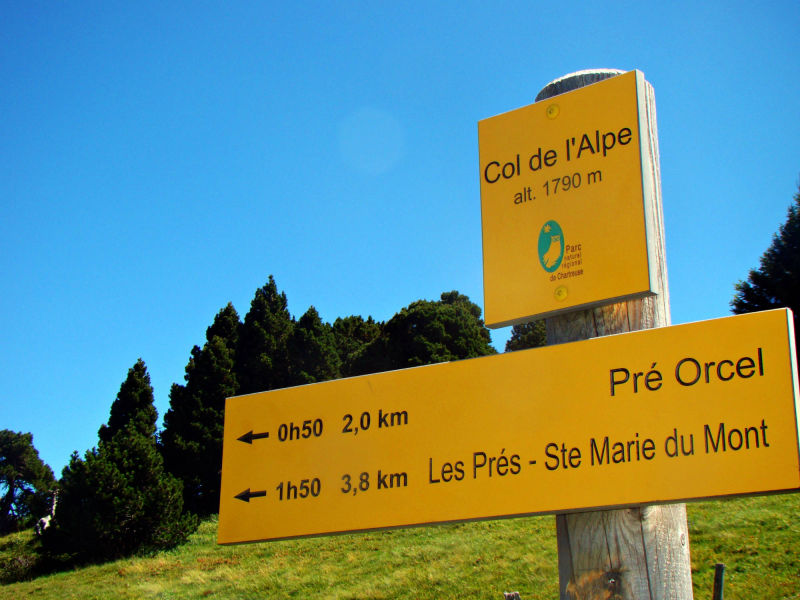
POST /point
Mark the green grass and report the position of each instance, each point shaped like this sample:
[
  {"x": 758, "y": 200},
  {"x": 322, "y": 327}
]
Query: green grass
[{"x": 758, "y": 539}]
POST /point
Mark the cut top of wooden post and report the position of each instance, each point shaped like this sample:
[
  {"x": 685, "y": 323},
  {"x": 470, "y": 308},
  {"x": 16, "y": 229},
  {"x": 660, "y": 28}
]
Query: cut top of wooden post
[
  {"x": 650, "y": 554},
  {"x": 576, "y": 80}
]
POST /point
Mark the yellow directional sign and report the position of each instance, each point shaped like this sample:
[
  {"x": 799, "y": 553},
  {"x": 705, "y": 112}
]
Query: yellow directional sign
[
  {"x": 691, "y": 411},
  {"x": 564, "y": 202}
]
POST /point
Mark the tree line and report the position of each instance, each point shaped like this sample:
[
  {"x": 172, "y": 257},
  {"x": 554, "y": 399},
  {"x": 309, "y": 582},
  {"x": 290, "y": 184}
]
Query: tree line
[
  {"x": 270, "y": 350},
  {"x": 141, "y": 490}
]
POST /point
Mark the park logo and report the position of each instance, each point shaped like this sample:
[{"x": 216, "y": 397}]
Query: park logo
[{"x": 551, "y": 246}]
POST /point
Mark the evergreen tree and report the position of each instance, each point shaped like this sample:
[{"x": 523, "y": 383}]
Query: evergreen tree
[
  {"x": 312, "y": 350},
  {"x": 133, "y": 404},
  {"x": 262, "y": 355},
  {"x": 226, "y": 326},
  {"x": 352, "y": 335},
  {"x": 26, "y": 483},
  {"x": 118, "y": 500},
  {"x": 776, "y": 283},
  {"x": 428, "y": 332},
  {"x": 527, "y": 335},
  {"x": 192, "y": 437}
]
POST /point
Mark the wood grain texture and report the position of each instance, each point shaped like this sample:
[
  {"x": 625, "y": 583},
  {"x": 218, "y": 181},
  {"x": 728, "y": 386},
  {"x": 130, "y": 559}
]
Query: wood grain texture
[{"x": 641, "y": 552}]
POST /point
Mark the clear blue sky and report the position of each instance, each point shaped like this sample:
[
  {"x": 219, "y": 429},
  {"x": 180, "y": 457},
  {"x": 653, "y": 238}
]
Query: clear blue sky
[{"x": 160, "y": 159}]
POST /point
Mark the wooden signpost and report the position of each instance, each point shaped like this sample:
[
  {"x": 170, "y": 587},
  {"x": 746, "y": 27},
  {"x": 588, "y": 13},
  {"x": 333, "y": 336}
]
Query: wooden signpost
[
  {"x": 603, "y": 432},
  {"x": 641, "y": 552}
]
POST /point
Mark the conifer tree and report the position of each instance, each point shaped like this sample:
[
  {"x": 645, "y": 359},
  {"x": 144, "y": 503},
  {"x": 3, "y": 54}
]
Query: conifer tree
[
  {"x": 312, "y": 350},
  {"x": 118, "y": 500},
  {"x": 262, "y": 355},
  {"x": 133, "y": 404},
  {"x": 192, "y": 437},
  {"x": 352, "y": 334},
  {"x": 226, "y": 326},
  {"x": 527, "y": 335},
  {"x": 776, "y": 282}
]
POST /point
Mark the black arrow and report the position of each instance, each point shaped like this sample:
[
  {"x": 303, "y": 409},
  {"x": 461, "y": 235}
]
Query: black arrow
[
  {"x": 247, "y": 494},
  {"x": 248, "y": 437}
]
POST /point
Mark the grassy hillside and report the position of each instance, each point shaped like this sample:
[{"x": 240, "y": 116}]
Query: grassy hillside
[{"x": 757, "y": 538}]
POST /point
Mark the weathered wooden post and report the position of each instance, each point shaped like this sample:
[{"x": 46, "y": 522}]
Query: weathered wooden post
[{"x": 632, "y": 553}]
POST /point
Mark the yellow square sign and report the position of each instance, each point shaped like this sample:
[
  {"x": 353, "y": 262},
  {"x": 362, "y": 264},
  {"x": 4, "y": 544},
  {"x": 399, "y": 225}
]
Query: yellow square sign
[{"x": 564, "y": 202}]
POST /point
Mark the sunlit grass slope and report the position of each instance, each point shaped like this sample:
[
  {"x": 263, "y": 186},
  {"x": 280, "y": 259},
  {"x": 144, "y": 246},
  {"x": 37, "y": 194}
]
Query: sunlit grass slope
[{"x": 758, "y": 539}]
